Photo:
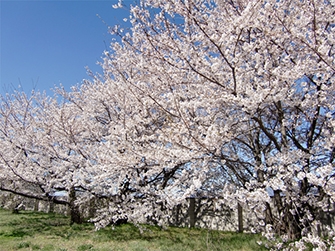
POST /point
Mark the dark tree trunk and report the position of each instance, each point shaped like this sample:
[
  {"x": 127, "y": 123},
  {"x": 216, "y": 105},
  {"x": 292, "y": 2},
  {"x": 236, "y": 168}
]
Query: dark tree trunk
[
  {"x": 75, "y": 216},
  {"x": 288, "y": 223},
  {"x": 268, "y": 214},
  {"x": 294, "y": 230}
]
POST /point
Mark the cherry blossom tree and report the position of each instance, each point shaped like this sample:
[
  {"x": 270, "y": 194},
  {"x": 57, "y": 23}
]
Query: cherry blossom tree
[
  {"x": 42, "y": 150},
  {"x": 228, "y": 99},
  {"x": 237, "y": 90}
]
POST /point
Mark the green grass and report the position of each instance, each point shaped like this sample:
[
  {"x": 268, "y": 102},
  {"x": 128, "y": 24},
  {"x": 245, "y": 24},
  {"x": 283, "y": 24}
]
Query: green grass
[{"x": 52, "y": 232}]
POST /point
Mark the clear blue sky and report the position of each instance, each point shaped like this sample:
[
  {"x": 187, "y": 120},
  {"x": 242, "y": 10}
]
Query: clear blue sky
[{"x": 45, "y": 43}]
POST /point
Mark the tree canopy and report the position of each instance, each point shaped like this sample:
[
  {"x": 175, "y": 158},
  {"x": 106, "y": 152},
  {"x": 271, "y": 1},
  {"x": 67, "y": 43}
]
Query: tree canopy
[{"x": 226, "y": 99}]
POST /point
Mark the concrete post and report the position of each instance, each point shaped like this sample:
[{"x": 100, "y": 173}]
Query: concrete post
[
  {"x": 240, "y": 218},
  {"x": 36, "y": 208},
  {"x": 191, "y": 212}
]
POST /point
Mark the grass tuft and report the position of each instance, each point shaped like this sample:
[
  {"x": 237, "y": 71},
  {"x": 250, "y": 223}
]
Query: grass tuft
[
  {"x": 35, "y": 247},
  {"x": 85, "y": 247},
  {"x": 48, "y": 247},
  {"x": 22, "y": 245}
]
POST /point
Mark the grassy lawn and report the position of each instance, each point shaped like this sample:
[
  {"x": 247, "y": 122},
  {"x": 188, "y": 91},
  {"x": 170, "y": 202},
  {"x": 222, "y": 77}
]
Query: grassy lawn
[{"x": 39, "y": 231}]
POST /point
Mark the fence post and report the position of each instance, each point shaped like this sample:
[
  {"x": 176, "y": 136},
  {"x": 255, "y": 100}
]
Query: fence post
[
  {"x": 240, "y": 218},
  {"x": 177, "y": 208},
  {"x": 51, "y": 206},
  {"x": 191, "y": 212}
]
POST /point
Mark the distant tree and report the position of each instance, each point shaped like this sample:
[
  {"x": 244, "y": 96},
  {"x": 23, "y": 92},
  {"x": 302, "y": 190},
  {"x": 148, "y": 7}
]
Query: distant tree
[{"x": 40, "y": 153}]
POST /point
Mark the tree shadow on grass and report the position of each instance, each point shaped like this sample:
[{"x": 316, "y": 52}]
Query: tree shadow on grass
[
  {"x": 28, "y": 223},
  {"x": 129, "y": 232},
  {"x": 17, "y": 233}
]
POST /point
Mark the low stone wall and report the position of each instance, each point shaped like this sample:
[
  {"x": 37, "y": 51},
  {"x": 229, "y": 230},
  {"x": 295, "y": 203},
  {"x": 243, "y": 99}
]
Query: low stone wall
[
  {"x": 195, "y": 212},
  {"x": 10, "y": 201},
  {"x": 205, "y": 213}
]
